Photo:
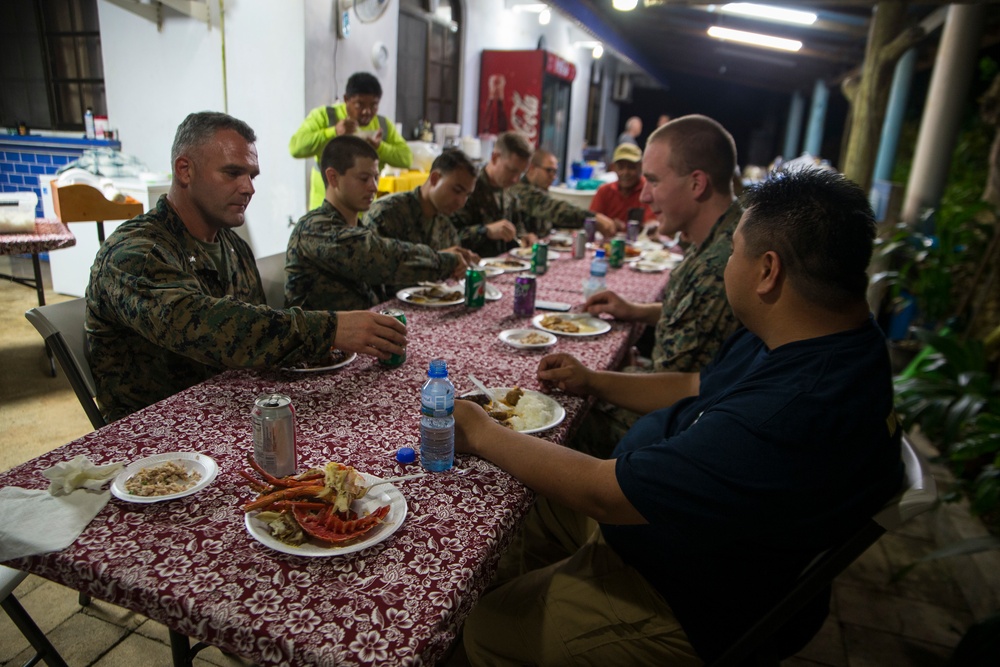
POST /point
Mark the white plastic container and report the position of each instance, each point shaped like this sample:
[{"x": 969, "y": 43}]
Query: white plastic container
[{"x": 17, "y": 212}]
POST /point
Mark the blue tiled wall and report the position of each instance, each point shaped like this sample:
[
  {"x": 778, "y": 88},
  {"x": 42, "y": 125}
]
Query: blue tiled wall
[{"x": 25, "y": 161}]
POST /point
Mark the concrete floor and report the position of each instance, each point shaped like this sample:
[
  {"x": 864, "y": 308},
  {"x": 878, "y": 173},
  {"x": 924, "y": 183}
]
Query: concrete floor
[{"x": 873, "y": 622}]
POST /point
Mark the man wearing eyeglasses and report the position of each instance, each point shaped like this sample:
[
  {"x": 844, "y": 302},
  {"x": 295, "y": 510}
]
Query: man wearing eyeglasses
[
  {"x": 539, "y": 211},
  {"x": 358, "y": 115}
]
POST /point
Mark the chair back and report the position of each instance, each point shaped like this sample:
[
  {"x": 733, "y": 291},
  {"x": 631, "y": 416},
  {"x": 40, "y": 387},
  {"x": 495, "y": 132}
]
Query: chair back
[
  {"x": 62, "y": 327},
  {"x": 272, "y": 275},
  {"x": 919, "y": 494}
]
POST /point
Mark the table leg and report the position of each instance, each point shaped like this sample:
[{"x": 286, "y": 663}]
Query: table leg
[
  {"x": 182, "y": 651},
  {"x": 40, "y": 290}
]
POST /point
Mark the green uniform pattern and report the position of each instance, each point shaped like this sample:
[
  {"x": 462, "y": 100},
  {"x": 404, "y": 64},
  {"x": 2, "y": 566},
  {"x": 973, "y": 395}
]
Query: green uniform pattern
[
  {"x": 161, "y": 317},
  {"x": 400, "y": 216},
  {"x": 487, "y": 204},
  {"x": 540, "y": 212},
  {"x": 332, "y": 266}
]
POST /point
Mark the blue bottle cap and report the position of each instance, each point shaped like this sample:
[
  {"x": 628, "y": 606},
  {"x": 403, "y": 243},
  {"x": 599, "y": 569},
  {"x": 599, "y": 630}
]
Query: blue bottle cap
[{"x": 406, "y": 455}]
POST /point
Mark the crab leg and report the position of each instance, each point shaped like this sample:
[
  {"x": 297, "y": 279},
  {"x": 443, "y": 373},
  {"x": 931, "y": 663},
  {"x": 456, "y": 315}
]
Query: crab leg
[{"x": 283, "y": 494}]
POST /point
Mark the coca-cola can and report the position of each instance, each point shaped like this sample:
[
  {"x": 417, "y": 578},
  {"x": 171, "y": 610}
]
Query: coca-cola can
[
  {"x": 580, "y": 245},
  {"x": 524, "y": 296},
  {"x": 274, "y": 447}
]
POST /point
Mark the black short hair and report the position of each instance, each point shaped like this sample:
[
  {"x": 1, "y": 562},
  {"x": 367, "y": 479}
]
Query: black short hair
[
  {"x": 451, "y": 160},
  {"x": 362, "y": 83},
  {"x": 821, "y": 226},
  {"x": 201, "y": 126},
  {"x": 341, "y": 153},
  {"x": 699, "y": 143}
]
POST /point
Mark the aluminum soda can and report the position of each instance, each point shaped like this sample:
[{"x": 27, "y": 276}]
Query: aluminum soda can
[
  {"x": 617, "y": 256},
  {"x": 540, "y": 258},
  {"x": 633, "y": 230},
  {"x": 524, "y": 296},
  {"x": 396, "y": 359},
  {"x": 590, "y": 228},
  {"x": 580, "y": 245},
  {"x": 475, "y": 287},
  {"x": 274, "y": 447}
]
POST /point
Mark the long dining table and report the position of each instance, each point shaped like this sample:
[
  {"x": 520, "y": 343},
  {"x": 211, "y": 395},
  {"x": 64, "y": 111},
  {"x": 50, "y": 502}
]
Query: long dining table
[{"x": 191, "y": 564}]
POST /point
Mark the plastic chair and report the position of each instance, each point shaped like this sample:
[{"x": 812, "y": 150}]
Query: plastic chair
[
  {"x": 272, "y": 275},
  {"x": 44, "y": 650},
  {"x": 61, "y": 325},
  {"x": 918, "y": 496}
]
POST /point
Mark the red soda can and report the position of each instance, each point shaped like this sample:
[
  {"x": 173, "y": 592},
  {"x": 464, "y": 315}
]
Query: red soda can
[
  {"x": 524, "y": 296},
  {"x": 274, "y": 447}
]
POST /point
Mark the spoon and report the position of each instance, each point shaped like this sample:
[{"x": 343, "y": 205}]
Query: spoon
[{"x": 481, "y": 387}]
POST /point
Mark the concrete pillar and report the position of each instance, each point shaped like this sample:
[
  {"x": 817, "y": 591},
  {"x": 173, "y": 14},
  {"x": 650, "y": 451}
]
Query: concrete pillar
[
  {"x": 817, "y": 118},
  {"x": 946, "y": 97},
  {"x": 794, "y": 128},
  {"x": 894, "y": 112}
]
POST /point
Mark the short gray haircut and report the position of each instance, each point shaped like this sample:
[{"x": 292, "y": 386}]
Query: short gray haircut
[{"x": 201, "y": 126}]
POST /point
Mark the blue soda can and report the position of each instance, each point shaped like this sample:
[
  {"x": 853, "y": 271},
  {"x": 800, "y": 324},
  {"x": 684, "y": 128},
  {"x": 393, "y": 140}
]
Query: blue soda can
[{"x": 524, "y": 296}]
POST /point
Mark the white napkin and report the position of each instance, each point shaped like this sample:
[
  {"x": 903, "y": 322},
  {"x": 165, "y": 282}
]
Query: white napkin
[
  {"x": 37, "y": 522},
  {"x": 80, "y": 473}
]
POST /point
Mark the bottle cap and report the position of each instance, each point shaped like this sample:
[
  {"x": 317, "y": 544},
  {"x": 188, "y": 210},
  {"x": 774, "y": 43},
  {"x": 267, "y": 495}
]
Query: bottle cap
[{"x": 406, "y": 455}]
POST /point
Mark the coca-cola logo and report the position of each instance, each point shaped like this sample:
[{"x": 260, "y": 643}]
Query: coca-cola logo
[{"x": 524, "y": 115}]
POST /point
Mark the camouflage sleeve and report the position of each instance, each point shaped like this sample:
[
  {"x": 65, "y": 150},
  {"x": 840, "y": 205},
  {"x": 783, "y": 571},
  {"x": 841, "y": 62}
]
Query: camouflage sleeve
[
  {"x": 360, "y": 254},
  {"x": 470, "y": 226},
  {"x": 693, "y": 327},
  {"x": 150, "y": 291},
  {"x": 388, "y": 219},
  {"x": 564, "y": 214}
]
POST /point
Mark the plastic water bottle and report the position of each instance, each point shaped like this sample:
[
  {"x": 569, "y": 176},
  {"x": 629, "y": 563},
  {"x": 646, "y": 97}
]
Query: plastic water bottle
[
  {"x": 88, "y": 123},
  {"x": 437, "y": 425},
  {"x": 598, "y": 270}
]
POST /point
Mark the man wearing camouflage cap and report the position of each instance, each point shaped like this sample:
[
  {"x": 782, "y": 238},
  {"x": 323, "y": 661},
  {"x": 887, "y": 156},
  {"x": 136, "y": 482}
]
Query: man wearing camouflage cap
[
  {"x": 539, "y": 211},
  {"x": 175, "y": 296},
  {"x": 333, "y": 262}
]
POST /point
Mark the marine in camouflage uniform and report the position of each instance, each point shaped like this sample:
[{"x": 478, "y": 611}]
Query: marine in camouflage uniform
[
  {"x": 695, "y": 321},
  {"x": 163, "y": 316},
  {"x": 333, "y": 266},
  {"x": 400, "y": 216},
  {"x": 696, "y": 317},
  {"x": 540, "y": 212},
  {"x": 487, "y": 203}
]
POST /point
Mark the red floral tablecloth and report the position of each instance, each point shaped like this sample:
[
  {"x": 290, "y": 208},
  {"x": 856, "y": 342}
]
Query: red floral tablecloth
[
  {"x": 190, "y": 564},
  {"x": 49, "y": 235}
]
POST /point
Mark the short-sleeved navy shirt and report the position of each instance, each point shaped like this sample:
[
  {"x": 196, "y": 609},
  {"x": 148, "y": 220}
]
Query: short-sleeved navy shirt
[{"x": 782, "y": 453}]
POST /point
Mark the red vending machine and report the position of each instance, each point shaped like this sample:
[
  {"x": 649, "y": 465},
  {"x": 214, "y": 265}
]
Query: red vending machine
[{"x": 527, "y": 91}]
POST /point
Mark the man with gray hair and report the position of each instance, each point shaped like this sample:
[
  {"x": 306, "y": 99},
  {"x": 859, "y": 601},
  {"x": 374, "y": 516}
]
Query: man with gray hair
[{"x": 174, "y": 294}]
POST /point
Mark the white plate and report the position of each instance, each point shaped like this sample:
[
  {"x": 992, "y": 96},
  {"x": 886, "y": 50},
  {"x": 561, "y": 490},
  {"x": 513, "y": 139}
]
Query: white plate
[
  {"x": 561, "y": 241},
  {"x": 191, "y": 461},
  {"x": 598, "y": 326},
  {"x": 320, "y": 369},
  {"x": 525, "y": 253},
  {"x": 493, "y": 292},
  {"x": 386, "y": 494},
  {"x": 405, "y": 295},
  {"x": 558, "y": 414},
  {"x": 645, "y": 266},
  {"x": 490, "y": 271},
  {"x": 513, "y": 338},
  {"x": 505, "y": 264}
]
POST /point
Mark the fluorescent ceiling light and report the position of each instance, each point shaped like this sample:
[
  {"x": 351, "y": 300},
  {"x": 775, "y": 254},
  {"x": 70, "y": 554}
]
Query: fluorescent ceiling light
[
  {"x": 769, "y": 13},
  {"x": 598, "y": 52},
  {"x": 756, "y": 39},
  {"x": 624, "y": 5},
  {"x": 544, "y": 16}
]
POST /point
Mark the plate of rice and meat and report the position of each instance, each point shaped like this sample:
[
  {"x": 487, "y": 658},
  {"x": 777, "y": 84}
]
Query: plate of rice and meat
[
  {"x": 432, "y": 295},
  {"x": 163, "y": 477},
  {"x": 528, "y": 339},
  {"x": 505, "y": 264},
  {"x": 565, "y": 324},
  {"x": 522, "y": 410}
]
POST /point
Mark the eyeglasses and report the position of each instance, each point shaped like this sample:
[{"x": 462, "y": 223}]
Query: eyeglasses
[{"x": 551, "y": 171}]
